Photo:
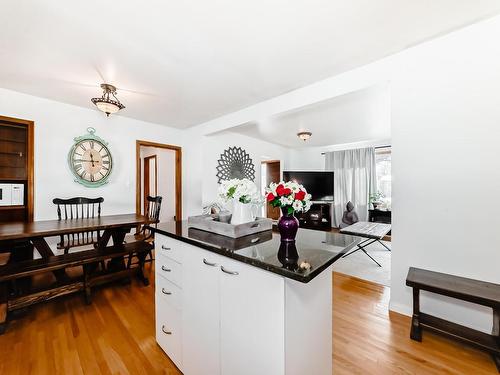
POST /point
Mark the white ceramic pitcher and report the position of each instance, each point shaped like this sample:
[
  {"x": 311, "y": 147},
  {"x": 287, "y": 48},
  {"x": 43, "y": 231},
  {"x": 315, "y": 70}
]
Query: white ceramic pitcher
[{"x": 242, "y": 213}]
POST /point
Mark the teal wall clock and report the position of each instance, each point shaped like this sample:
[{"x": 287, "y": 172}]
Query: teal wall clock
[{"x": 90, "y": 160}]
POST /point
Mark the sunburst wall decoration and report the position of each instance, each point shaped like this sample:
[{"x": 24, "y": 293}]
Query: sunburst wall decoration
[{"x": 235, "y": 163}]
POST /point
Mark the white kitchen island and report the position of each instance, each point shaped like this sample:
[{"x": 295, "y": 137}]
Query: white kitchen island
[{"x": 231, "y": 307}]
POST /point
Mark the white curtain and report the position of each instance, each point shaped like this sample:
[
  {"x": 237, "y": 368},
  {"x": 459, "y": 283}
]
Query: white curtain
[{"x": 354, "y": 180}]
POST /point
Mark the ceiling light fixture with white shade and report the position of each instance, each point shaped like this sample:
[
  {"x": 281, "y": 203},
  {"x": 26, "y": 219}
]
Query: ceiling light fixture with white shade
[
  {"x": 304, "y": 135},
  {"x": 108, "y": 102}
]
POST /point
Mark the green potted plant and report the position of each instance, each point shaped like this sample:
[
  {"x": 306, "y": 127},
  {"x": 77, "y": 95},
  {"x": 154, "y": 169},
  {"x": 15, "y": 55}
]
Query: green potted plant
[{"x": 375, "y": 199}]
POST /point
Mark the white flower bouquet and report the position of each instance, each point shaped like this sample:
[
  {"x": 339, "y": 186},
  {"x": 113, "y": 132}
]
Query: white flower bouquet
[{"x": 243, "y": 191}]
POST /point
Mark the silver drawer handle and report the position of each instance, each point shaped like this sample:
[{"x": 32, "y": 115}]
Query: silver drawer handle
[
  {"x": 165, "y": 248},
  {"x": 229, "y": 272},
  {"x": 165, "y": 292},
  {"x": 165, "y": 332},
  {"x": 165, "y": 269},
  {"x": 208, "y": 263}
]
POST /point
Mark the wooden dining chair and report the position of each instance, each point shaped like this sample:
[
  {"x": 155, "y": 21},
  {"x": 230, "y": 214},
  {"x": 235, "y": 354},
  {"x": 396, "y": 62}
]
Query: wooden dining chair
[
  {"x": 78, "y": 208},
  {"x": 144, "y": 234}
]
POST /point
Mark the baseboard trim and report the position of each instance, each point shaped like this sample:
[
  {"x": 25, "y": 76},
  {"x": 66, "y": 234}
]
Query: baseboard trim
[
  {"x": 400, "y": 308},
  {"x": 360, "y": 279}
]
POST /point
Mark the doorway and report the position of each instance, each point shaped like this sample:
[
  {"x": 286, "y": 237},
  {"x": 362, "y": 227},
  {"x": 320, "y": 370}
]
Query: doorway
[
  {"x": 271, "y": 172},
  {"x": 158, "y": 173},
  {"x": 149, "y": 178}
]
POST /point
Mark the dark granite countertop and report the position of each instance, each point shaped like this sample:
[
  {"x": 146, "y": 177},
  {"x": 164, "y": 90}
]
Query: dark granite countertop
[{"x": 319, "y": 249}]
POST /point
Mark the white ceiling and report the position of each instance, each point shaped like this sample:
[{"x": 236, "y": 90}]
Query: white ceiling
[
  {"x": 186, "y": 62},
  {"x": 355, "y": 117}
]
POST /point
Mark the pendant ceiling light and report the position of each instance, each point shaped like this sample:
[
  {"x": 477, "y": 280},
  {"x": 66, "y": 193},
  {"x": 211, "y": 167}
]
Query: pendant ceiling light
[
  {"x": 304, "y": 135},
  {"x": 108, "y": 102}
]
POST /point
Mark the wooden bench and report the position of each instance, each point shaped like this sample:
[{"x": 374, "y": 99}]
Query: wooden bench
[
  {"x": 479, "y": 292},
  {"x": 91, "y": 277}
]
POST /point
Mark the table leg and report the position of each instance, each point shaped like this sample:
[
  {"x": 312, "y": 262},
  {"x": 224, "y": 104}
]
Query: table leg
[
  {"x": 118, "y": 235},
  {"x": 416, "y": 330},
  {"x": 369, "y": 256},
  {"x": 45, "y": 251},
  {"x": 103, "y": 241},
  {"x": 384, "y": 245},
  {"x": 142, "y": 257},
  {"x": 20, "y": 251},
  {"x": 87, "y": 269}
]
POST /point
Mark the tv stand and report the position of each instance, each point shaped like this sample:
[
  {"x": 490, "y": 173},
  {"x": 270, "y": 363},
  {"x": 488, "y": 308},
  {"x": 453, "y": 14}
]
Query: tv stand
[{"x": 318, "y": 217}]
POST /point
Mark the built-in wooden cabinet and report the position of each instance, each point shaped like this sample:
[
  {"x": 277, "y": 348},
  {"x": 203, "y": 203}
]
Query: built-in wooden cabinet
[{"x": 16, "y": 166}]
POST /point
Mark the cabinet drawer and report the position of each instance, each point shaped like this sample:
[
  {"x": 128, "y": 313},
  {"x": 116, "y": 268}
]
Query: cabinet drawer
[
  {"x": 169, "y": 292},
  {"x": 169, "y": 269},
  {"x": 169, "y": 330},
  {"x": 169, "y": 247}
]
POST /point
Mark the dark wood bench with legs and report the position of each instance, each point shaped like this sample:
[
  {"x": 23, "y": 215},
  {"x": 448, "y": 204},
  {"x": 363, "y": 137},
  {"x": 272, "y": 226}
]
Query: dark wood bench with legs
[
  {"x": 475, "y": 291},
  {"x": 91, "y": 276}
]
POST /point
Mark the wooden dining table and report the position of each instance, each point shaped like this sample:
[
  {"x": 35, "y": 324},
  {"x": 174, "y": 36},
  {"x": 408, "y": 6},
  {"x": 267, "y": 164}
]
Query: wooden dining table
[
  {"x": 22, "y": 238},
  {"x": 36, "y": 232}
]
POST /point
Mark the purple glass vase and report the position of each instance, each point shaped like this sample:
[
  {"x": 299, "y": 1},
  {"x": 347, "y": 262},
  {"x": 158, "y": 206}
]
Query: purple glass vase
[
  {"x": 288, "y": 255},
  {"x": 287, "y": 226}
]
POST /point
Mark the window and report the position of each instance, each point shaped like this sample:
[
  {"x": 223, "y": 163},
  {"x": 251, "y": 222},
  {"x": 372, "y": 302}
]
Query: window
[{"x": 383, "y": 166}]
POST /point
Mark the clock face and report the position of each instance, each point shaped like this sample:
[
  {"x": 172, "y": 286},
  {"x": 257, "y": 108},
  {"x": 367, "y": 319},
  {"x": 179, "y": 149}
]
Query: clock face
[{"x": 90, "y": 161}]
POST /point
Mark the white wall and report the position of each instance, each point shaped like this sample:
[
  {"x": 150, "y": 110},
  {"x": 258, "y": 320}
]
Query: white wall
[
  {"x": 446, "y": 165},
  {"x": 166, "y": 184},
  {"x": 312, "y": 158},
  {"x": 214, "y": 146},
  {"x": 305, "y": 159},
  {"x": 56, "y": 124},
  {"x": 446, "y": 173},
  {"x": 165, "y": 167}
]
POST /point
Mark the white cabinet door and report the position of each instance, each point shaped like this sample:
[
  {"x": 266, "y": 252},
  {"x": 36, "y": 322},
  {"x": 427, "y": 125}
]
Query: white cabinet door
[
  {"x": 169, "y": 330},
  {"x": 252, "y": 320},
  {"x": 201, "y": 315}
]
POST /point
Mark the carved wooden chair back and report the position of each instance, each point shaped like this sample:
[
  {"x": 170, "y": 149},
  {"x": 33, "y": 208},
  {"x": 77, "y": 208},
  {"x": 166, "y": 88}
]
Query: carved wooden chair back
[
  {"x": 153, "y": 214},
  {"x": 78, "y": 208}
]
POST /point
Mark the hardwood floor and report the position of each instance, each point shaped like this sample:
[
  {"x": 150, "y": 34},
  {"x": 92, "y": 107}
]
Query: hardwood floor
[
  {"x": 115, "y": 335},
  {"x": 367, "y": 339}
]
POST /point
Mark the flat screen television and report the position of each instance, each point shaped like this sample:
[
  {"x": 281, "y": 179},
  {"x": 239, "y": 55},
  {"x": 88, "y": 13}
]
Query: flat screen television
[{"x": 318, "y": 184}]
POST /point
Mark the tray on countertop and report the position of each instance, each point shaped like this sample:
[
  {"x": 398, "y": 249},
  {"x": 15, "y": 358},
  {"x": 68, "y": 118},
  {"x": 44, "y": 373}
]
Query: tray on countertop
[
  {"x": 229, "y": 242},
  {"x": 210, "y": 223}
]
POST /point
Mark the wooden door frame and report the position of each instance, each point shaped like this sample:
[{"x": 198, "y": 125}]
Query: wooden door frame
[
  {"x": 273, "y": 161},
  {"x": 146, "y": 162},
  {"x": 30, "y": 126},
  {"x": 178, "y": 174}
]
